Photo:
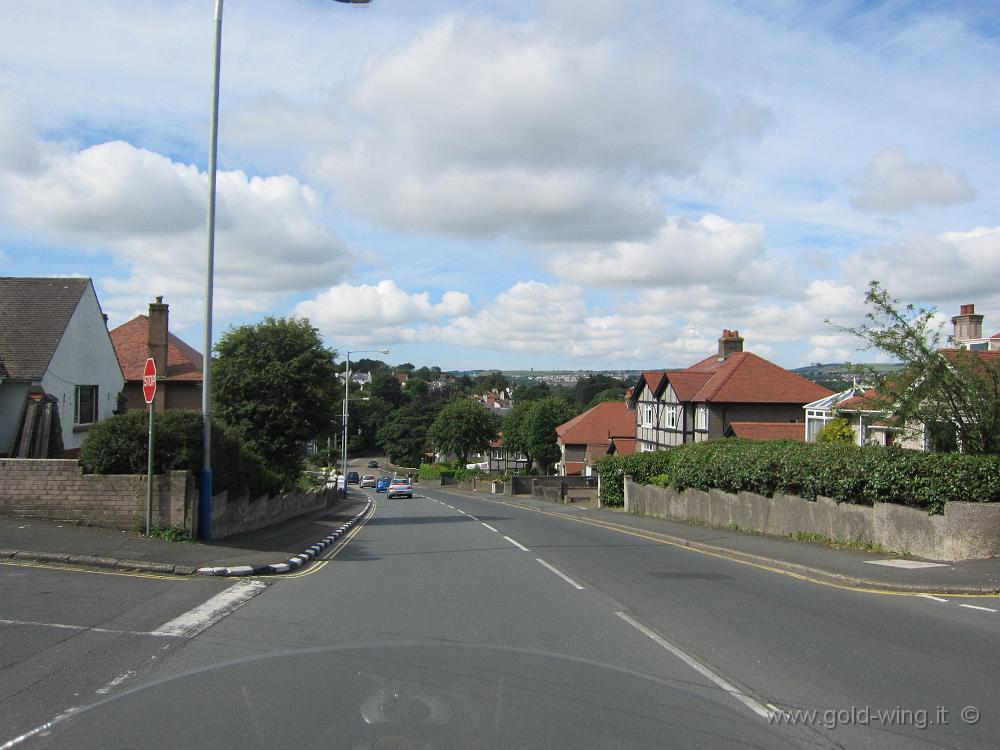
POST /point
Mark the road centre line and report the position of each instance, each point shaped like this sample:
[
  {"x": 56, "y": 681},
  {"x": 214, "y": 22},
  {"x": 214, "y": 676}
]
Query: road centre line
[
  {"x": 489, "y": 527},
  {"x": 562, "y": 575},
  {"x": 754, "y": 705},
  {"x": 973, "y": 606},
  {"x": 211, "y": 611},
  {"x": 472, "y": 516},
  {"x": 661, "y": 539},
  {"x": 516, "y": 543}
]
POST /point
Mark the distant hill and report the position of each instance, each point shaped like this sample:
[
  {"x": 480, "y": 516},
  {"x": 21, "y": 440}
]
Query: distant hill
[{"x": 840, "y": 375}]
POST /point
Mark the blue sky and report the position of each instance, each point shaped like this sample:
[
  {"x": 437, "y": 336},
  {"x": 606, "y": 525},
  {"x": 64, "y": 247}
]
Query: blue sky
[{"x": 546, "y": 183}]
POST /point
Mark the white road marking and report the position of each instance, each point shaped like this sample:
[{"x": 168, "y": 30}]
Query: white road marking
[
  {"x": 115, "y": 682},
  {"x": 468, "y": 514},
  {"x": 38, "y": 730},
  {"x": 935, "y": 598},
  {"x": 754, "y": 705},
  {"x": 562, "y": 575},
  {"x": 207, "y": 614},
  {"x": 973, "y": 606},
  {"x": 908, "y": 564},
  {"x": 516, "y": 543},
  {"x": 488, "y": 526},
  {"x": 63, "y": 626}
]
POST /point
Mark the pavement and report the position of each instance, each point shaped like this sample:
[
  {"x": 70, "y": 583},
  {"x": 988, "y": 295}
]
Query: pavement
[
  {"x": 64, "y": 544},
  {"x": 48, "y": 543}
]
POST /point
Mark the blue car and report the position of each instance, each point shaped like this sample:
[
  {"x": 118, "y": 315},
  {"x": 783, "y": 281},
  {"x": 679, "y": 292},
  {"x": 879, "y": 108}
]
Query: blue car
[{"x": 383, "y": 484}]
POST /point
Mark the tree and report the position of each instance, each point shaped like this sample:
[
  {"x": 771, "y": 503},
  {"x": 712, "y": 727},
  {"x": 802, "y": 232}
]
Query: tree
[
  {"x": 462, "y": 427},
  {"x": 611, "y": 394},
  {"x": 587, "y": 388},
  {"x": 513, "y": 428},
  {"x": 403, "y": 437},
  {"x": 276, "y": 385},
  {"x": 531, "y": 391},
  {"x": 387, "y": 387},
  {"x": 955, "y": 393},
  {"x": 539, "y": 429}
]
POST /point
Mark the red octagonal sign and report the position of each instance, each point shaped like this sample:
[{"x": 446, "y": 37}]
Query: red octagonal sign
[{"x": 149, "y": 381}]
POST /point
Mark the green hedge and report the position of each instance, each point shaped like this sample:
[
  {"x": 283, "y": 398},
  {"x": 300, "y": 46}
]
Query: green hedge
[
  {"x": 846, "y": 473},
  {"x": 119, "y": 445},
  {"x": 640, "y": 466}
]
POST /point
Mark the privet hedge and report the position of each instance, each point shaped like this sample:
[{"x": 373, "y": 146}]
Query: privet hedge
[
  {"x": 846, "y": 473},
  {"x": 119, "y": 445}
]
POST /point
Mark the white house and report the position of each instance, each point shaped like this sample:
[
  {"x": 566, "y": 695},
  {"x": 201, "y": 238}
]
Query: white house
[{"x": 54, "y": 343}]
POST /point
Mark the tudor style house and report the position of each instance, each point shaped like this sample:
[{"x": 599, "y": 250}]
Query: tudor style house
[
  {"x": 58, "y": 370},
  {"x": 721, "y": 395}
]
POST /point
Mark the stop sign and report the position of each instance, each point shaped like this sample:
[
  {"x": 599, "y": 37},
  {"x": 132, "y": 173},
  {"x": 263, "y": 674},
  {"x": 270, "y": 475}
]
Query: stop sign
[{"x": 149, "y": 381}]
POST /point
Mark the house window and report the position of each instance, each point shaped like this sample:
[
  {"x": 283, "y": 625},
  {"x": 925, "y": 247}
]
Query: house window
[
  {"x": 701, "y": 418},
  {"x": 671, "y": 417},
  {"x": 85, "y": 411},
  {"x": 647, "y": 415}
]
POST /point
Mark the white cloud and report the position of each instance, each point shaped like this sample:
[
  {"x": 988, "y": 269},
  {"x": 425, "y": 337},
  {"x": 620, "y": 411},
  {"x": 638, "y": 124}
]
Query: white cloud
[
  {"x": 712, "y": 251},
  {"x": 952, "y": 267},
  {"x": 893, "y": 185},
  {"x": 477, "y": 126},
  {"x": 149, "y": 211},
  {"x": 380, "y": 313}
]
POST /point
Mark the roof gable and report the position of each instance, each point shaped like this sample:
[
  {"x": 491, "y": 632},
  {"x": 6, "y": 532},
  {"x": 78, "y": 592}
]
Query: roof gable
[
  {"x": 131, "y": 345},
  {"x": 34, "y": 314}
]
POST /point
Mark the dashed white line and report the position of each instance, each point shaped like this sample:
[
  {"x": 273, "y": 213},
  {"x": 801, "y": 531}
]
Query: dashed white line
[
  {"x": 210, "y": 612},
  {"x": 115, "y": 682},
  {"x": 516, "y": 543},
  {"x": 468, "y": 514},
  {"x": 754, "y": 705},
  {"x": 973, "y": 606},
  {"x": 489, "y": 527},
  {"x": 934, "y": 598},
  {"x": 562, "y": 575}
]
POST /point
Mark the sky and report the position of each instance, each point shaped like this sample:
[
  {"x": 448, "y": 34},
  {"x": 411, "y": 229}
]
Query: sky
[{"x": 514, "y": 184}]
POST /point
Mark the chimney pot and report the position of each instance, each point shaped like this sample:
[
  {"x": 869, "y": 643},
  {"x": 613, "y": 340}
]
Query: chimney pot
[{"x": 729, "y": 343}]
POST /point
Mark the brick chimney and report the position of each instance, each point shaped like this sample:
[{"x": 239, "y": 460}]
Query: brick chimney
[
  {"x": 729, "y": 343},
  {"x": 967, "y": 324},
  {"x": 156, "y": 341}
]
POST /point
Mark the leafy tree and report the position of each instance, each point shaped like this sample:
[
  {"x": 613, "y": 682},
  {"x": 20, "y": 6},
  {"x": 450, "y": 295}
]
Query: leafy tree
[
  {"x": 611, "y": 394},
  {"x": 836, "y": 431},
  {"x": 487, "y": 381},
  {"x": 587, "y": 388},
  {"x": 513, "y": 427},
  {"x": 403, "y": 437},
  {"x": 462, "y": 427},
  {"x": 275, "y": 383},
  {"x": 386, "y": 387},
  {"x": 531, "y": 391},
  {"x": 416, "y": 389},
  {"x": 406, "y": 367},
  {"x": 374, "y": 366},
  {"x": 539, "y": 429},
  {"x": 955, "y": 393}
]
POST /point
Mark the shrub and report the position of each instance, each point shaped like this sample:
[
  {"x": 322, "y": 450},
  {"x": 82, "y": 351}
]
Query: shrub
[
  {"x": 845, "y": 473},
  {"x": 119, "y": 445},
  {"x": 836, "y": 431}
]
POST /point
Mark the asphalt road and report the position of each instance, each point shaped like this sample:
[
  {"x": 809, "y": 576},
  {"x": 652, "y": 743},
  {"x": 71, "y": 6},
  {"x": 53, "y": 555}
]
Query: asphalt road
[{"x": 447, "y": 616}]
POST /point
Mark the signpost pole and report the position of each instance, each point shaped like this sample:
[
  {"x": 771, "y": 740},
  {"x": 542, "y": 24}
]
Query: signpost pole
[
  {"x": 149, "y": 393},
  {"x": 149, "y": 480}
]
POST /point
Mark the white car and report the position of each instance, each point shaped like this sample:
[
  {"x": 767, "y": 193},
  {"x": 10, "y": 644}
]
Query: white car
[{"x": 399, "y": 488}]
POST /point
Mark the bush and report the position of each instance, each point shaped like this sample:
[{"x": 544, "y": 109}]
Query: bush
[
  {"x": 640, "y": 466},
  {"x": 119, "y": 445},
  {"x": 845, "y": 473},
  {"x": 836, "y": 431}
]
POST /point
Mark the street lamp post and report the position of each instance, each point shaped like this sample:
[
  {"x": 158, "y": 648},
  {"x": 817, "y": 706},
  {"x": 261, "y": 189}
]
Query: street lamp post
[
  {"x": 205, "y": 498},
  {"x": 347, "y": 384}
]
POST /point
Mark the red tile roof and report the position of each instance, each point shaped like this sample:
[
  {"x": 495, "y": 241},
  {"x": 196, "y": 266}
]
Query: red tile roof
[
  {"x": 867, "y": 401},
  {"x": 745, "y": 378},
  {"x": 131, "y": 345},
  {"x": 572, "y": 468},
  {"x": 624, "y": 446},
  {"x": 769, "y": 430},
  {"x": 598, "y": 425}
]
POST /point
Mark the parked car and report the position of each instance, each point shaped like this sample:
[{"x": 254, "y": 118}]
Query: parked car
[
  {"x": 373, "y": 464},
  {"x": 399, "y": 488},
  {"x": 368, "y": 480},
  {"x": 352, "y": 477},
  {"x": 383, "y": 484}
]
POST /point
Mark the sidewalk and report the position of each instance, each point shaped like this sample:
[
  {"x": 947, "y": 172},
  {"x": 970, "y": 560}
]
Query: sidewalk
[
  {"x": 42, "y": 541},
  {"x": 810, "y": 560}
]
